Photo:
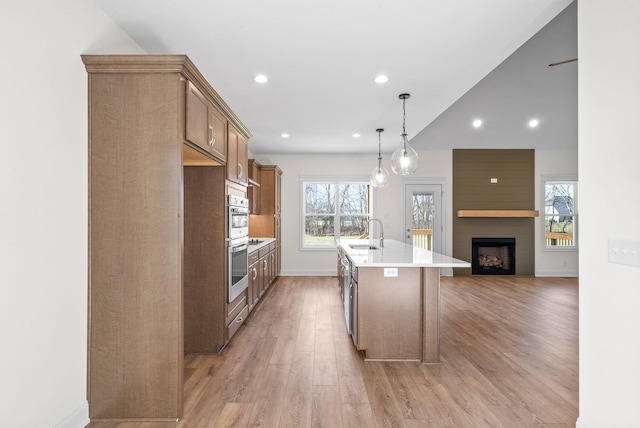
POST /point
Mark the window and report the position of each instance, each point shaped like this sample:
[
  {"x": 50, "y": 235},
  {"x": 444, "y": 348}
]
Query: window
[
  {"x": 334, "y": 209},
  {"x": 560, "y": 204}
]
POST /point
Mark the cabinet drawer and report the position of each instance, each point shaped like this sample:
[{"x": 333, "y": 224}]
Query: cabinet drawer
[
  {"x": 272, "y": 246},
  {"x": 253, "y": 257},
  {"x": 264, "y": 251},
  {"x": 237, "y": 322},
  {"x": 235, "y": 307}
]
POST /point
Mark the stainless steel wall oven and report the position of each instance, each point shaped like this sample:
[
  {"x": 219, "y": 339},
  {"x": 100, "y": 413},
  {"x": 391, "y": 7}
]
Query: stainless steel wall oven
[
  {"x": 237, "y": 246},
  {"x": 238, "y": 226}
]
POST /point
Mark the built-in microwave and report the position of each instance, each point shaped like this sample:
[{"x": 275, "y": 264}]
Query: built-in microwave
[{"x": 238, "y": 222}]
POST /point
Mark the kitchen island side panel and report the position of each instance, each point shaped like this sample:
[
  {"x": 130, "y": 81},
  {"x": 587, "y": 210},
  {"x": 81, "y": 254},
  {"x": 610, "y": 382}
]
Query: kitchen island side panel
[{"x": 389, "y": 314}]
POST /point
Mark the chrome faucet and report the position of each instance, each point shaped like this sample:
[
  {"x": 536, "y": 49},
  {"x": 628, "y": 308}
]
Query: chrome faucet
[{"x": 381, "y": 230}]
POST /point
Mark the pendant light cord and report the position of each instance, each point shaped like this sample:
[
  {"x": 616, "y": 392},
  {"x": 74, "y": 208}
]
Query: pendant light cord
[
  {"x": 404, "y": 119},
  {"x": 379, "y": 153}
]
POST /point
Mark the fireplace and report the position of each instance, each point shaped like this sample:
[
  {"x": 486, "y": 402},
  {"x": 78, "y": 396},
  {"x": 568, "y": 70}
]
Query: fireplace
[{"x": 493, "y": 256}]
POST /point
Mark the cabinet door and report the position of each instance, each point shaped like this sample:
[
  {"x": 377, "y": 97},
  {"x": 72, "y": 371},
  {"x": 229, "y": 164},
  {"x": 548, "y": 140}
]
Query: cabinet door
[
  {"x": 232, "y": 154},
  {"x": 243, "y": 158},
  {"x": 205, "y": 126},
  {"x": 254, "y": 293},
  {"x": 277, "y": 191},
  {"x": 217, "y": 128},
  {"x": 253, "y": 190},
  {"x": 237, "y": 157},
  {"x": 264, "y": 264}
]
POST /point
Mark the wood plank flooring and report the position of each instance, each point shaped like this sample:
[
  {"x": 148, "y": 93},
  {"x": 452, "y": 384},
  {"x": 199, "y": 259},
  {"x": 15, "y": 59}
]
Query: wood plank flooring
[{"x": 509, "y": 351}]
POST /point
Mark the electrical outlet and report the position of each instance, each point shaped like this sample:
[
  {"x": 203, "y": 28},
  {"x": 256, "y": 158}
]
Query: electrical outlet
[
  {"x": 391, "y": 272},
  {"x": 624, "y": 252}
]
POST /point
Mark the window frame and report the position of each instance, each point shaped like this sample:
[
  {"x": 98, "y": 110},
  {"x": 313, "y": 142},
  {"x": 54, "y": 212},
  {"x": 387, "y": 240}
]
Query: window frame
[
  {"x": 336, "y": 180},
  {"x": 560, "y": 179}
]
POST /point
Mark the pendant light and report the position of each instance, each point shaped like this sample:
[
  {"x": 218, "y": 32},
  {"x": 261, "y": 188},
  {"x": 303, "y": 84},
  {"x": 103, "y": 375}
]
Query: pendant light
[
  {"x": 404, "y": 161},
  {"x": 379, "y": 175}
]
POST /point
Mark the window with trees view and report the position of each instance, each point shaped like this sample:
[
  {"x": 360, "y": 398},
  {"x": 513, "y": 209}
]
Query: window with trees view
[
  {"x": 560, "y": 214},
  {"x": 334, "y": 210}
]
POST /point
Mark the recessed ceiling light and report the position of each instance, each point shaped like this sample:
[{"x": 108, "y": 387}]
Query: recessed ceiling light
[
  {"x": 261, "y": 78},
  {"x": 356, "y": 135},
  {"x": 533, "y": 123},
  {"x": 381, "y": 79},
  {"x": 284, "y": 135},
  {"x": 477, "y": 123}
]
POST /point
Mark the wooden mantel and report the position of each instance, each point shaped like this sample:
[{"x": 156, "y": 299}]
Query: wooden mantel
[{"x": 498, "y": 213}]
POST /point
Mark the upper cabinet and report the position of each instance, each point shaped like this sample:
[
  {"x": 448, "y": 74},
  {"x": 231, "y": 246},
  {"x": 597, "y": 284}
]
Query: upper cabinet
[
  {"x": 253, "y": 190},
  {"x": 237, "y": 157},
  {"x": 205, "y": 125}
]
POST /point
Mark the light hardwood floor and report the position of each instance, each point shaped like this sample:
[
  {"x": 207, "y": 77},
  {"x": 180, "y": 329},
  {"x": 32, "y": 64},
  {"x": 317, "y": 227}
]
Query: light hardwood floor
[{"x": 509, "y": 351}]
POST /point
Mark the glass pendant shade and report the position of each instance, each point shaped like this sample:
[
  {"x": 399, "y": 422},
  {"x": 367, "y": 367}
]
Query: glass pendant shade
[
  {"x": 404, "y": 160},
  {"x": 379, "y": 175}
]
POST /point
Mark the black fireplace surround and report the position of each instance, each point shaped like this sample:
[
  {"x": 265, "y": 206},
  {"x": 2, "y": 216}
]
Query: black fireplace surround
[{"x": 493, "y": 256}]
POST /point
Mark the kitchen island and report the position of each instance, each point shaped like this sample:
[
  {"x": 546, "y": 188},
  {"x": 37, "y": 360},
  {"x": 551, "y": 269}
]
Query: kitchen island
[{"x": 391, "y": 297}]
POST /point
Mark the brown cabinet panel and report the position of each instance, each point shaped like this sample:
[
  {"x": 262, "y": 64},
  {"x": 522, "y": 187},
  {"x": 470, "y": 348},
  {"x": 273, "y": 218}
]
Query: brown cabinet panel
[
  {"x": 204, "y": 282},
  {"x": 268, "y": 223},
  {"x": 237, "y": 156},
  {"x": 205, "y": 126},
  {"x": 253, "y": 190},
  {"x": 157, "y": 251}
]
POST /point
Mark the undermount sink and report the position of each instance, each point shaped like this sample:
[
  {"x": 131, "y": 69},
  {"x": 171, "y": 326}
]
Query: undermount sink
[
  {"x": 255, "y": 241},
  {"x": 364, "y": 247}
]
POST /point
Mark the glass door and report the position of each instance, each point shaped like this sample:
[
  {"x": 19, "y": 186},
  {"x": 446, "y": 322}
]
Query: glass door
[{"x": 423, "y": 216}]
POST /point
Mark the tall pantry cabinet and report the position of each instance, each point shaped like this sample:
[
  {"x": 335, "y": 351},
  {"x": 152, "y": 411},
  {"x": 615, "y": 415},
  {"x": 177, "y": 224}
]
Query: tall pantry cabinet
[
  {"x": 150, "y": 117},
  {"x": 268, "y": 223}
]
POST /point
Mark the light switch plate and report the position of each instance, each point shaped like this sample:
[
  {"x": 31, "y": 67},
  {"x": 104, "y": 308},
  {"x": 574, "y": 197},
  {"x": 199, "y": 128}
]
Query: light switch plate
[
  {"x": 624, "y": 252},
  {"x": 390, "y": 272}
]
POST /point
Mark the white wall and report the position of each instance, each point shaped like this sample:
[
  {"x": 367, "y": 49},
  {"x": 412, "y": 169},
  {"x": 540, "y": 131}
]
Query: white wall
[
  {"x": 553, "y": 262},
  {"x": 609, "y": 159},
  {"x": 43, "y": 219},
  {"x": 387, "y": 200}
]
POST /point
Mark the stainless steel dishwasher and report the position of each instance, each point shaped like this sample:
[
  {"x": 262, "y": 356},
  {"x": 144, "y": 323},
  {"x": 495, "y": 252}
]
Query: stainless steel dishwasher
[{"x": 347, "y": 294}]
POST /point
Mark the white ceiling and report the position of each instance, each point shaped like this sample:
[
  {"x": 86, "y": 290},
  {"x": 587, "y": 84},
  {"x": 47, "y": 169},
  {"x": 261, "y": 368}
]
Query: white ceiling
[{"x": 321, "y": 58}]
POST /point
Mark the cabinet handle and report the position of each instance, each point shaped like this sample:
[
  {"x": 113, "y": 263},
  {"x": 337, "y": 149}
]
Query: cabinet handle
[
  {"x": 264, "y": 265},
  {"x": 255, "y": 273},
  {"x": 240, "y": 320},
  {"x": 212, "y": 139},
  {"x": 240, "y": 171}
]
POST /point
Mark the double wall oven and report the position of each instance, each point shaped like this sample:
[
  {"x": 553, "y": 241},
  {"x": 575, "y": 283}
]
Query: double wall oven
[{"x": 237, "y": 246}]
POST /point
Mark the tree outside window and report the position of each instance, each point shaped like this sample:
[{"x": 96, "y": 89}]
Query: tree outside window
[
  {"x": 560, "y": 214},
  {"x": 334, "y": 210}
]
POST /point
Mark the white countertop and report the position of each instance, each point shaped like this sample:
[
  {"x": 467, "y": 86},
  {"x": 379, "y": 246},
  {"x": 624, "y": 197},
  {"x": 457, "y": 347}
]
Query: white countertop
[
  {"x": 396, "y": 254},
  {"x": 262, "y": 242}
]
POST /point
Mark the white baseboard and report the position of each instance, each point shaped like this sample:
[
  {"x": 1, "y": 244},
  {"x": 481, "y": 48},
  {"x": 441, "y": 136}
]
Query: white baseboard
[
  {"x": 308, "y": 272},
  {"x": 556, "y": 273},
  {"x": 580, "y": 424},
  {"x": 78, "y": 418}
]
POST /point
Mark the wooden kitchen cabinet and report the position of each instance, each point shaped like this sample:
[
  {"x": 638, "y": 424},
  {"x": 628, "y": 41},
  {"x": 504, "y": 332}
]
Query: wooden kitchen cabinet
[
  {"x": 205, "y": 125},
  {"x": 237, "y": 156},
  {"x": 268, "y": 223},
  {"x": 253, "y": 189},
  {"x": 264, "y": 265},
  {"x": 255, "y": 280},
  {"x": 237, "y": 312},
  {"x": 261, "y": 272},
  {"x": 272, "y": 264},
  {"x": 146, "y": 265}
]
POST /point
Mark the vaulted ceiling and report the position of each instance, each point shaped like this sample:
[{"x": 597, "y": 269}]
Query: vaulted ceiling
[{"x": 459, "y": 61}]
